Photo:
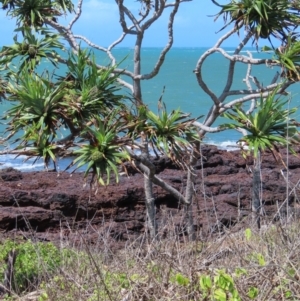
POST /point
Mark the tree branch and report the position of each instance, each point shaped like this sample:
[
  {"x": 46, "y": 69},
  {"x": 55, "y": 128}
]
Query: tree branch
[
  {"x": 259, "y": 93},
  {"x": 65, "y": 32},
  {"x": 166, "y": 49},
  {"x": 208, "y": 129},
  {"x": 172, "y": 4},
  {"x": 232, "y": 66},
  {"x": 198, "y": 69},
  {"x": 122, "y": 18},
  {"x": 77, "y": 15},
  {"x": 146, "y": 166},
  {"x": 156, "y": 15}
]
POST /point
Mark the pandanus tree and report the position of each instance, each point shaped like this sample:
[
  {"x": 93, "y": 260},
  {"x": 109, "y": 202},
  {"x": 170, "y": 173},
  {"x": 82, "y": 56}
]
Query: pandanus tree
[
  {"x": 261, "y": 21},
  {"x": 255, "y": 22},
  {"x": 269, "y": 127}
]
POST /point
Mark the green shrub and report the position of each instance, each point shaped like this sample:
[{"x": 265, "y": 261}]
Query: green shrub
[{"x": 33, "y": 262}]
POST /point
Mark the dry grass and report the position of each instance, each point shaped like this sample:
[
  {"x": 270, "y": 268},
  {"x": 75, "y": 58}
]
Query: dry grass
[{"x": 245, "y": 265}]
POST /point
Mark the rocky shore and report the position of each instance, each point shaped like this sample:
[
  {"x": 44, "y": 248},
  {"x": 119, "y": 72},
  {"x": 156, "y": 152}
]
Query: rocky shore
[{"x": 53, "y": 207}]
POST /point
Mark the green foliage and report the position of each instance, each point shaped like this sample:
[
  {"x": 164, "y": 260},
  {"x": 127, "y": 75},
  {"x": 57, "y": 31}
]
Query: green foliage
[
  {"x": 171, "y": 133},
  {"x": 44, "y": 107},
  {"x": 270, "y": 125},
  {"x": 180, "y": 279},
  {"x": 90, "y": 91},
  {"x": 289, "y": 57},
  {"x": 32, "y": 13},
  {"x": 253, "y": 293},
  {"x": 248, "y": 234},
  {"x": 220, "y": 288},
  {"x": 32, "y": 49},
  {"x": 264, "y": 18},
  {"x": 40, "y": 105},
  {"x": 104, "y": 152},
  {"x": 32, "y": 260},
  {"x": 40, "y": 146},
  {"x": 257, "y": 258}
]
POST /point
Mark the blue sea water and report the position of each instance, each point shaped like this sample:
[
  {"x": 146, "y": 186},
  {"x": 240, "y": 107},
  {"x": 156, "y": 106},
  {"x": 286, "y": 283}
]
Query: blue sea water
[{"x": 176, "y": 77}]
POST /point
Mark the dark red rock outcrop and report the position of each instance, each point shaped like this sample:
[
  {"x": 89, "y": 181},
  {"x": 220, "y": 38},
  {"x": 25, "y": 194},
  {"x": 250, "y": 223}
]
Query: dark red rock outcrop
[{"x": 53, "y": 206}]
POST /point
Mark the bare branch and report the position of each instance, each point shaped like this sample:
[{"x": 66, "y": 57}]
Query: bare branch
[
  {"x": 156, "y": 15},
  {"x": 248, "y": 84},
  {"x": 172, "y": 4},
  {"x": 259, "y": 93},
  {"x": 257, "y": 83},
  {"x": 166, "y": 49},
  {"x": 65, "y": 32},
  {"x": 146, "y": 166},
  {"x": 208, "y": 129},
  {"x": 232, "y": 66},
  {"x": 121, "y": 38},
  {"x": 245, "y": 59},
  {"x": 198, "y": 69},
  {"x": 132, "y": 18},
  {"x": 122, "y": 18},
  {"x": 125, "y": 84},
  {"x": 275, "y": 78},
  {"x": 91, "y": 44},
  {"x": 77, "y": 15}
]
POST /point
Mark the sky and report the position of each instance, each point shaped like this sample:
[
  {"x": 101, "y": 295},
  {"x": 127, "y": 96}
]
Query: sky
[{"x": 193, "y": 27}]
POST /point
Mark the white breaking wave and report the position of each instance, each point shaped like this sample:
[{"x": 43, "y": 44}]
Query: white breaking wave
[
  {"x": 20, "y": 163},
  {"x": 228, "y": 145}
]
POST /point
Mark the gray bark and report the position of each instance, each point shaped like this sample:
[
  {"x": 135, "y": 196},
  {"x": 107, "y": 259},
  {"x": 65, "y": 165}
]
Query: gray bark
[
  {"x": 256, "y": 187},
  {"x": 150, "y": 208},
  {"x": 137, "y": 91},
  {"x": 149, "y": 198},
  {"x": 189, "y": 196}
]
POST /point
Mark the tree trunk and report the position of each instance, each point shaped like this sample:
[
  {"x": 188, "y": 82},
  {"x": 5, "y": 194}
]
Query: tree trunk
[
  {"x": 188, "y": 208},
  {"x": 150, "y": 208},
  {"x": 137, "y": 91},
  {"x": 256, "y": 187},
  {"x": 148, "y": 187},
  {"x": 189, "y": 196}
]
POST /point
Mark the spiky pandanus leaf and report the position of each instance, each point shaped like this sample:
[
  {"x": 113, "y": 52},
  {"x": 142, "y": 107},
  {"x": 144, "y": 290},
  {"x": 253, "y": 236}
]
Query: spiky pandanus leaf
[
  {"x": 37, "y": 102},
  {"x": 269, "y": 126},
  {"x": 171, "y": 134},
  {"x": 32, "y": 13},
  {"x": 105, "y": 150},
  {"x": 32, "y": 50},
  {"x": 264, "y": 18}
]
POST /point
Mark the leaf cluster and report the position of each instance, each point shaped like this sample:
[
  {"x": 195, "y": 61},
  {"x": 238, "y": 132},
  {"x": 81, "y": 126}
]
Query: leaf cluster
[
  {"x": 32, "y": 49},
  {"x": 268, "y": 126},
  {"x": 264, "y": 18},
  {"x": 105, "y": 151},
  {"x": 32, "y": 13},
  {"x": 171, "y": 133},
  {"x": 288, "y": 56}
]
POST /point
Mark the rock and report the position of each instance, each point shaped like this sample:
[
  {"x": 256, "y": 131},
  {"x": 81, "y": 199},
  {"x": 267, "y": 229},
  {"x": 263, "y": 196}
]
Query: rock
[{"x": 57, "y": 207}]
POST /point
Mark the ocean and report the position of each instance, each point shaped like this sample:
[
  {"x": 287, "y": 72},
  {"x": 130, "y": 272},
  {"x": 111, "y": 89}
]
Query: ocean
[{"x": 180, "y": 86}]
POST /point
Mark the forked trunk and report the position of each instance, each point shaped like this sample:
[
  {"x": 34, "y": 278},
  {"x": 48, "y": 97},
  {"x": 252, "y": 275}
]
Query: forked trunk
[
  {"x": 148, "y": 187},
  {"x": 256, "y": 188}
]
